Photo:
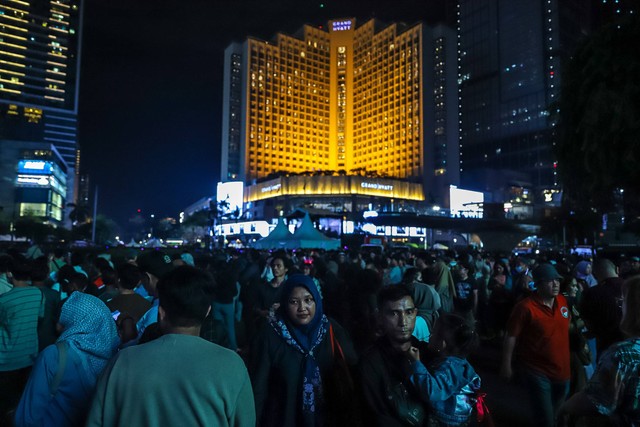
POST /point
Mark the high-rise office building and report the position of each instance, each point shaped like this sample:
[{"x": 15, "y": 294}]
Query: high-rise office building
[
  {"x": 40, "y": 44},
  {"x": 363, "y": 100},
  {"x": 511, "y": 56}
]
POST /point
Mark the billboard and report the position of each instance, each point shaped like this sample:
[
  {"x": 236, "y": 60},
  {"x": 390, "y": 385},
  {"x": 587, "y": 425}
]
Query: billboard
[
  {"x": 465, "y": 203},
  {"x": 230, "y": 197},
  {"x": 34, "y": 167}
]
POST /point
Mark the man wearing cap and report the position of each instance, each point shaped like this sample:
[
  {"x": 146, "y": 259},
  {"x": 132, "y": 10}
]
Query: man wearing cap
[{"x": 538, "y": 334}]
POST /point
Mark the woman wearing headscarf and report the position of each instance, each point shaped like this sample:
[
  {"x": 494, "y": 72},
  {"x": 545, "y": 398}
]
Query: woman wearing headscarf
[
  {"x": 299, "y": 362},
  {"x": 444, "y": 284},
  {"x": 63, "y": 378},
  {"x": 583, "y": 272}
]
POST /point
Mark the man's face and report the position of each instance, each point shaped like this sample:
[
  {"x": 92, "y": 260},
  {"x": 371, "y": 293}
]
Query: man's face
[
  {"x": 549, "y": 288},
  {"x": 398, "y": 319},
  {"x": 277, "y": 266}
]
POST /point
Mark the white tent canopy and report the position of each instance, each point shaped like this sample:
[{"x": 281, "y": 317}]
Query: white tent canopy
[
  {"x": 306, "y": 236},
  {"x": 277, "y": 239}
]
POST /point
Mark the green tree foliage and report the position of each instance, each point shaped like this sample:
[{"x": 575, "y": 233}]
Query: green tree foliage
[
  {"x": 33, "y": 228},
  {"x": 599, "y": 120},
  {"x": 106, "y": 229},
  {"x": 79, "y": 215}
]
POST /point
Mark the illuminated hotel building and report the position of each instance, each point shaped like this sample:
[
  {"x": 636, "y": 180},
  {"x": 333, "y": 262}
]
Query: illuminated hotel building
[
  {"x": 348, "y": 110},
  {"x": 39, "y": 63}
]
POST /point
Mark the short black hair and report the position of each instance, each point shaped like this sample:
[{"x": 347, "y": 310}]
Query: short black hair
[
  {"x": 185, "y": 295},
  {"x": 109, "y": 276},
  {"x": 129, "y": 275},
  {"x": 58, "y": 252},
  {"x": 40, "y": 269},
  {"x": 81, "y": 281},
  {"x": 6, "y": 261},
  {"x": 393, "y": 293},
  {"x": 21, "y": 269}
]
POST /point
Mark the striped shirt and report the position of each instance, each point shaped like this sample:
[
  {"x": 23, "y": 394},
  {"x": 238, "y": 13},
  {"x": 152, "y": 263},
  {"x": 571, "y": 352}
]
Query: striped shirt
[{"x": 20, "y": 309}]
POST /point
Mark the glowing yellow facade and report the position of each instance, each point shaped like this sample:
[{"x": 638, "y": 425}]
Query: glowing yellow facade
[
  {"x": 344, "y": 98},
  {"x": 38, "y": 44}
]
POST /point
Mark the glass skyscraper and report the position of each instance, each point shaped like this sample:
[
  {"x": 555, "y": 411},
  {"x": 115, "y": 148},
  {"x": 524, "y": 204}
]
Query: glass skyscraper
[
  {"x": 511, "y": 56},
  {"x": 40, "y": 44}
]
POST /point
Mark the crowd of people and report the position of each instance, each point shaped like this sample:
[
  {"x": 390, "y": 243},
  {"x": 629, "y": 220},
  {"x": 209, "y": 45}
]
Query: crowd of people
[{"x": 313, "y": 338}]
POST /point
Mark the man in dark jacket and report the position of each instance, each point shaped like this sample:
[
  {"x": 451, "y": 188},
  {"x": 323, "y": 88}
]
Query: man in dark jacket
[
  {"x": 384, "y": 369},
  {"x": 601, "y": 306}
]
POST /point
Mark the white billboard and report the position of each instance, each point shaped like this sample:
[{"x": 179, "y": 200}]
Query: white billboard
[
  {"x": 230, "y": 197},
  {"x": 465, "y": 203}
]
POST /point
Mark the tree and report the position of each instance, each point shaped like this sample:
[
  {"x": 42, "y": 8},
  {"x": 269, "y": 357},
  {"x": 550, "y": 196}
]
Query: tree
[
  {"x": 106, "y": 229},
  {"x": 79, "y": 214},
  {"x": 195, "y": 226},
  {"x": 164, "y": 228},
  {"x": 598, "y": 120},
  {"x": 33, "y": 228}
]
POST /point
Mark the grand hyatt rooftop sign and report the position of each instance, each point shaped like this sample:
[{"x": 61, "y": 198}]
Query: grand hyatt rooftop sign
[
  {"x": 332, "y": 186},
  {"x": 341, "y": 25}
]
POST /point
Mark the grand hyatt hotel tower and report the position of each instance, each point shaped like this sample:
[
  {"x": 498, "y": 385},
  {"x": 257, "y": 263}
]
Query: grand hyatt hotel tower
[{"x": 350, "y": 115}]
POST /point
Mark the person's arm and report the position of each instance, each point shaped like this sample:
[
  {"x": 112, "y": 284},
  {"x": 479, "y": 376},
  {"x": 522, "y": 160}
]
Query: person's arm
[
  {"x": 244, "y": 414},
  {"x": 440, "y": 385},
  {"x": 578, "y": 405},
  {"x": 259, "y": 368},
  {"x": 36, "y": 395},
  {"x": 506, "y": 368}
]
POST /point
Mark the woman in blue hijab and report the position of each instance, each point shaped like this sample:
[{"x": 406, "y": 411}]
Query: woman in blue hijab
[
  {"x": 295, "y": 361},
  {"x": 64, "y": 376}
]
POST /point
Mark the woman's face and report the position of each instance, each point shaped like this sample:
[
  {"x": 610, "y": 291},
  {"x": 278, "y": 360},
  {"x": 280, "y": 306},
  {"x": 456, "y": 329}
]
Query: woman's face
[
  {"x": 278, "y": 268},
  {"x": 306, "y": 269},
  {"x": 498, "y": 269},
  {"x": 301, "y": 307},
  {"x": 573, "y": 288}
]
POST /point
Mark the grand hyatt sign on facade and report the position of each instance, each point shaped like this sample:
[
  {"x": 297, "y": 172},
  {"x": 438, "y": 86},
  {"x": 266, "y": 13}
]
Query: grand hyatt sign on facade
[
  {"x": 334, "y": 186},
  {"x": 376, "y": 186}
]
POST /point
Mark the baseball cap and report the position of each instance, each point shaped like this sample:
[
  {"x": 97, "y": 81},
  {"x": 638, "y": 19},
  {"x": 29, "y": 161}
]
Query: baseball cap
[
  {"x": 545, "y": 272},
  {"x": 157, "y": 263}
]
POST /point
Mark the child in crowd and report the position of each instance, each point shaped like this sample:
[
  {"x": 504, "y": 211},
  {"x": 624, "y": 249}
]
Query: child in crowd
[{"x": 451, "y": 384}]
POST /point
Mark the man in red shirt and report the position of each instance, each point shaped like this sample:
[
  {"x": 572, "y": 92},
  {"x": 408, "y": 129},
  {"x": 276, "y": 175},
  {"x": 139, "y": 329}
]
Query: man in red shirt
[{"x": 538, "y": 331}]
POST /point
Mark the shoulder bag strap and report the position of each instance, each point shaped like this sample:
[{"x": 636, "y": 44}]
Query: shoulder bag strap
[
  {"x": 333, "y": 353},
  {"x": 62, "y": 363}
]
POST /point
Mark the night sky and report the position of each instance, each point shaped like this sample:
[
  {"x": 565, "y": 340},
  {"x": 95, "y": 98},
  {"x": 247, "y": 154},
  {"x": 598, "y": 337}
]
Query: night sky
[{"x": 151, "y": 88}]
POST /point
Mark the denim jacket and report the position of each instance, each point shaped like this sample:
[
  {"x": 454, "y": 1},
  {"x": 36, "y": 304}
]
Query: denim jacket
[{"x": 449, "y": 388}]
